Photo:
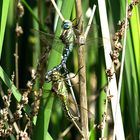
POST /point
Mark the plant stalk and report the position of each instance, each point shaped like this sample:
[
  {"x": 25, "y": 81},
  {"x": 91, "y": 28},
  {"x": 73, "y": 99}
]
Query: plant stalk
[{"x": 82, "y": 77}]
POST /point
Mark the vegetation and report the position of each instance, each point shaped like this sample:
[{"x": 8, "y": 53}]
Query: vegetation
[{"x": 106, "y": 66}]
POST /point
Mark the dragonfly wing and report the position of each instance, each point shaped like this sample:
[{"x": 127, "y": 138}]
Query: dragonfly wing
[
  {"x": 73, "y": 110},
  {"x": 96, "y": 41},
  {"x": 49, "y": 40},
  {"x": 92, "y": 36}
]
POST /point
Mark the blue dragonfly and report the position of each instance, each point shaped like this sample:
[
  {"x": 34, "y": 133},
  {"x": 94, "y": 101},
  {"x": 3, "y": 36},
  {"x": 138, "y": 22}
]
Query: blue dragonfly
[{"x": 69, "y": 38}]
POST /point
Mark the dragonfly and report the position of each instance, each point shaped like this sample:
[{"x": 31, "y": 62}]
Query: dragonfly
[
  {"x": 61, "y": 91},
  {"x": 69, "y": 38}
]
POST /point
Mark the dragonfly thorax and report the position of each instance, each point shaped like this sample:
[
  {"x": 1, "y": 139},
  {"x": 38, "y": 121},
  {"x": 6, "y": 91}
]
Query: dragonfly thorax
[
  {"x": 55, "y": 76},
  {"x": 68, "y": 36}
]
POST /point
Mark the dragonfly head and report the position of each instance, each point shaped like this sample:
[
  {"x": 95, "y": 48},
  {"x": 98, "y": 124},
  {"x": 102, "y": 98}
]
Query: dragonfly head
[{"x": 67, "y": 24}]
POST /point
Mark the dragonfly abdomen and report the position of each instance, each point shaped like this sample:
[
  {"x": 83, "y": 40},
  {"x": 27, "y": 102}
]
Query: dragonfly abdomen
[
  {"x": 68, "y": 37},
  {"x": 62, "y": 64},
  {"x": 69, "y": 115}
]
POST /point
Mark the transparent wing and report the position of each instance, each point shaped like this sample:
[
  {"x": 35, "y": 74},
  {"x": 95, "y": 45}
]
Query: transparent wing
[
  {"x": 72, "y": 108},
  {"x": 49, "y": 40},
  {"x": 94, "y": 35}
]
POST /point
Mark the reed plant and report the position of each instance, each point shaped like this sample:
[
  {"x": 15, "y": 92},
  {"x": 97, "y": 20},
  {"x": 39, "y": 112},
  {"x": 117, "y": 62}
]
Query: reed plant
[{"x": 108, "y": 67}]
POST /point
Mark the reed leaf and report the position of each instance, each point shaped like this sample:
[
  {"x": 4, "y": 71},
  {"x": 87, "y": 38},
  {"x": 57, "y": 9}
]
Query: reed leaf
[{"x": 4, "y": 14}]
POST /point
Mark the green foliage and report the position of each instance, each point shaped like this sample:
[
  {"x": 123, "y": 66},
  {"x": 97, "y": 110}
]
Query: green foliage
[
  {"x": 50, "y": 121},
  {"x": 4, "y": 14}
]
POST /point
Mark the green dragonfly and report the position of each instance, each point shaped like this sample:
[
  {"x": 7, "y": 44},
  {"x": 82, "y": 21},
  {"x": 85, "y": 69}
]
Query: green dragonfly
[{"x": 60, "y": 89}]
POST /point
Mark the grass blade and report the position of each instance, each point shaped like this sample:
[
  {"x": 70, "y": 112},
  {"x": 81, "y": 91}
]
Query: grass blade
[
  {"x": 112, "y": 82},
  {"x": 9, "y": 84},
  {"x": 5, "y": 7}
]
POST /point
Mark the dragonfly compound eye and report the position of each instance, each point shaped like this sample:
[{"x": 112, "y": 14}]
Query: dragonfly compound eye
[{"x": 67, "y": 24}]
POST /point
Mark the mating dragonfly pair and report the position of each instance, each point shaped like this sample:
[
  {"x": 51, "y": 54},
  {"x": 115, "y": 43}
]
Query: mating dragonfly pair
[{"x": 68, "y": 37}]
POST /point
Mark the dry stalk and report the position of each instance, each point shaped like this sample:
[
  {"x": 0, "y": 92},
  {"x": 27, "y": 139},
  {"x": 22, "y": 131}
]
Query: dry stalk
[
  {"x": 82, "y": 72},
  {"x": 5, "y": 131},
  {"x": 19, "y": 32},
  {"x": 123, "y": 31},
  {"x": 24, "y": 99},
  {"x": 6, "y": 115},
  {"x": 82, "y": 76},
  {"x": 18, "y": 114},
  {"x": 120, "y": 33}
]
